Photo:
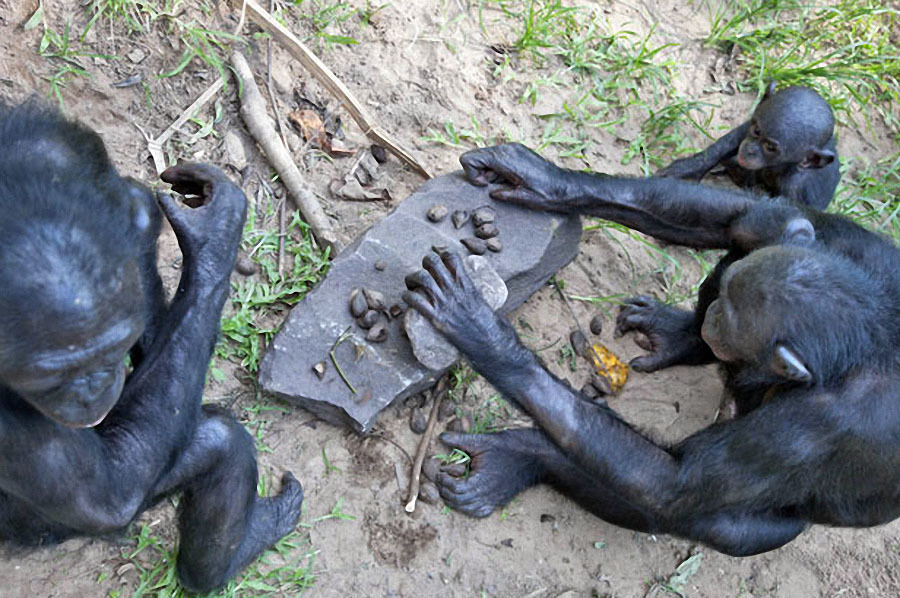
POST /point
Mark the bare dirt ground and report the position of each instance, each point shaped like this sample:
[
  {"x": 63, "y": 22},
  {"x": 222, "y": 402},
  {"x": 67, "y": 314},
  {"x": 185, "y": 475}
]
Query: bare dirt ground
[{"x": 418, "y": 65}]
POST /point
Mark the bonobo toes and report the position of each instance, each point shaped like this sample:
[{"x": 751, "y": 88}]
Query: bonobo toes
[
  {"x": 497, "y": 472},
  {"x": 287, "y": 505},
  {"x": 668, "y": 333}
]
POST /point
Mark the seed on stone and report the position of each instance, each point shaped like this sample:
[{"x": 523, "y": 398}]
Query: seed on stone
[
  {"x": 579, "y": 343},
  {"x": 589, "y": 391},
  {"x": 380, "y": 265},
  {"x": 244, "y": 265},
  {"x": 601, "y": 383},
  {"x": 374, "y": 299},
  {"x": 482, "y": 216},
  {"x": 396, "y": 310},
  {"x": 368, "y": 319},
  {"x": 319, "y": 369},
  {"x": 377, "y": 334},
  {"x": 358, "y": 304},
  {"x": 494, "y": 245},
  {"x": 460, "y": 217},
  {"x": 437, "y": 213},
  {"x": 487, "y": 231},
  {"x": 417, "y": 421},
  {"x": 476, "y": 246},
  {"x": 429, "y": 493},
  {"x": 597, "y": 324}
]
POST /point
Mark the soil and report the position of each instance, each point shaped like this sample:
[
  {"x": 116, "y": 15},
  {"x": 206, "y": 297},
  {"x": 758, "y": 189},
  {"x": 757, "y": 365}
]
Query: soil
[{"x": 417, "y": 66}]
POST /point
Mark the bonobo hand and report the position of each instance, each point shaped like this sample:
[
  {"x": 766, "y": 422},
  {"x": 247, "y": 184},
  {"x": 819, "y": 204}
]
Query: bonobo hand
[
  {"x": 447, "y": 297},
  {"x": 687, "y": 169},
  {"x": 535, "y": 182},
  {"x": 209, "y": 231},
  {"x": 667, "y": 333}
]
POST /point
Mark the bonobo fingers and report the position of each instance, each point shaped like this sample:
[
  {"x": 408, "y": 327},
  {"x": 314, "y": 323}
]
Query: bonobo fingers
[
  {"x": 488, "y": 165},
  {"x": 191, "y": 178},
  {"x": 664, "y": 332},
  {"x": 683, "y": 168}
]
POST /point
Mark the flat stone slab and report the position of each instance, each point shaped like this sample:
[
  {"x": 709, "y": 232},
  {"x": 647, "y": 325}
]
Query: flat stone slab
[{"x": 375, "y": 374}]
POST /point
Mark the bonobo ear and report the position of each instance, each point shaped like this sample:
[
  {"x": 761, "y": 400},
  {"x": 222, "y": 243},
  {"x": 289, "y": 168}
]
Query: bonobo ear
[
  {"x": 770, "y": 91},
  {"x": 799, "y": 232},
  {"x": 788, "y": 364},
  {"x": 816, "y": 158}
]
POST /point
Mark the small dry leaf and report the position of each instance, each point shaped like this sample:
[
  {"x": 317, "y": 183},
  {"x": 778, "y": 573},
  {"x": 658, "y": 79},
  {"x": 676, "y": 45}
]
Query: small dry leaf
[{"x": 310, "y": 125}]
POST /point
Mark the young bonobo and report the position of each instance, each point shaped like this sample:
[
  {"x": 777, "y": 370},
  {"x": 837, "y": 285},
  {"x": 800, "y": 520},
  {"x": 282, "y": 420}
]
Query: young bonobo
[
  {"x": 85, "y": 446},
  {"x": 787, "y": 148},
  {"x": 804, "y": 318}
]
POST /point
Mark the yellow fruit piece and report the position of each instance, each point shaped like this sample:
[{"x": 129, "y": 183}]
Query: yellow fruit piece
[{"x": 609, "y": 366}]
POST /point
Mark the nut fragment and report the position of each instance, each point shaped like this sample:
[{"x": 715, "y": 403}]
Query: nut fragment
[
  {"x": 368, "y": 319},
  {"x": 380, "y": 265},
  {"x": 417, "y": 421},
  {"x": 579, "y": 343},
  {"x": 374, "y": 299},
  {"x": 494, "y": 245},
  {"x": 475, "y": 246},
  {"x": 377, "y": 334},
  {"x": 601, "y": 383},
  {"x": 358, "y": 303},
  {"x": 436, "y": 213},
  {"x": 482, "y": 216},
  {"x": 396, "y": 310},
  {"x": 460, "y": 217},
  {"x": 244, "y": 265},
  {"x": 379, "y": 153},
  {"x": 597, "y": 324},
  {"x": 487, "y": 231},
  {"x": 319, "y": 369}
]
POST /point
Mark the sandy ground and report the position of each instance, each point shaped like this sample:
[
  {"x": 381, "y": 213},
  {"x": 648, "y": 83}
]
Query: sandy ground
[{"x": 416, "y": 67}]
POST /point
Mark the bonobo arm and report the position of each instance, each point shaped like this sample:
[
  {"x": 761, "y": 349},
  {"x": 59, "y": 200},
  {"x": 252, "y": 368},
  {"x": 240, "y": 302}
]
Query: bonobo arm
[
  {"x": 695, "y": 167},
  {"x": 732, "y": 486},
  {"x": 675, "y": 211},
  {"x": 95, "y": 480}
]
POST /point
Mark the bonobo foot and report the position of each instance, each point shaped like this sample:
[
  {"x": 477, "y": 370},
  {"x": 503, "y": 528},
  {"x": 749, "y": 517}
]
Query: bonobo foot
[
  {"x": 277, "y": 516},
  {"x": 669, "y": 334},
  {"x": 503, "y": 464}
]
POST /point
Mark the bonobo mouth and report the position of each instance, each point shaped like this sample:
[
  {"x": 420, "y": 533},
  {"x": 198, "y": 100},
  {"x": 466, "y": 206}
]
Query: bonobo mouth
[{"x": 72, "y": 413}]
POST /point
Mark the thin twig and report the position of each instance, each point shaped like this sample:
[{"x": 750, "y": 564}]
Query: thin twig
[
  {"x": 344, "y": 336},
  {"x": 440, "y": 391},
  {"x": 253, "y": 111},
  {"x": 580, "y": 329},
  {"x": 281, "y": 233}
]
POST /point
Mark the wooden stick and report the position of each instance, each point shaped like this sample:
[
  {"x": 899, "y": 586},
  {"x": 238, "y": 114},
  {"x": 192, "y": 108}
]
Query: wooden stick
[
  {"x": 253, "y": 111},
  {"x": 324, "y": 75},
  {"x": 440, "y": 391}
]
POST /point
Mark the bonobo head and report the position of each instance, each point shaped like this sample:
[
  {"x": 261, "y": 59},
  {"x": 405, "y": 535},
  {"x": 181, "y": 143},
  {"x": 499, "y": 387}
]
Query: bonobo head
[
  {"x": 72, "y": 303},
  {"x": 791, "y": 126},
  {"x": 796, "y": 314}
]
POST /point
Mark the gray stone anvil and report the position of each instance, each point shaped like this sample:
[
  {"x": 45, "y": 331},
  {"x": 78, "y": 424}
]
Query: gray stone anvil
[{"x": 535, "y": 245}]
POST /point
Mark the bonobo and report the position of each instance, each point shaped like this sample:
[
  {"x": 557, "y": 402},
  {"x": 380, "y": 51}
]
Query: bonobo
[
  {"x": 84, "y": 445},
  {"x": 804, "y": 319},
  {"x": 787, "y": 148}
]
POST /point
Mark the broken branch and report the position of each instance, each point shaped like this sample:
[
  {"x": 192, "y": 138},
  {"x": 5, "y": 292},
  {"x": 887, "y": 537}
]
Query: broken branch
[{"x": 440, "y": 391}]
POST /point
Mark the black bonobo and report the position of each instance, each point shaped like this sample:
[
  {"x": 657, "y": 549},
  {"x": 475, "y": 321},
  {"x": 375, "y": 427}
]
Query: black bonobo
[
  {"x": 787, "y": 148},
  {"x": 84, "y": 445},
  {"x": 804, "y": 319}
]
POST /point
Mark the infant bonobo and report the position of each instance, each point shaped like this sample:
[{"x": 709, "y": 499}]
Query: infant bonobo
[
  {"x": 786, "y": 148},
  {"x": 805, "y": 320},
  {"x": 85, "y": 446}
]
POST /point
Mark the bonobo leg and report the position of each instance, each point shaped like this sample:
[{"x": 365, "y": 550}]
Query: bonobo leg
[
  {"x": 505, "y": 463},
  {"x": 224, "y": 525}
]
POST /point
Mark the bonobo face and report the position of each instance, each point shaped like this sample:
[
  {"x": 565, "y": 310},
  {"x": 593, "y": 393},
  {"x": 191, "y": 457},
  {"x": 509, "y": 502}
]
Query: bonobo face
[
  {"x": 77, "y": 385},
  {"x": 63, "y": 351},
  {"x": 758, "y": 150}
]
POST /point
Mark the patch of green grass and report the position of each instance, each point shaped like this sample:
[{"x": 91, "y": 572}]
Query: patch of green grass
[
  {"x": 285, "y": 569},
  {"x": 847, "y": 50},
  {"x": 870, "y": 193},
  {"x": 250, "y": 325},
  {"x": 327, "y": 18}
]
